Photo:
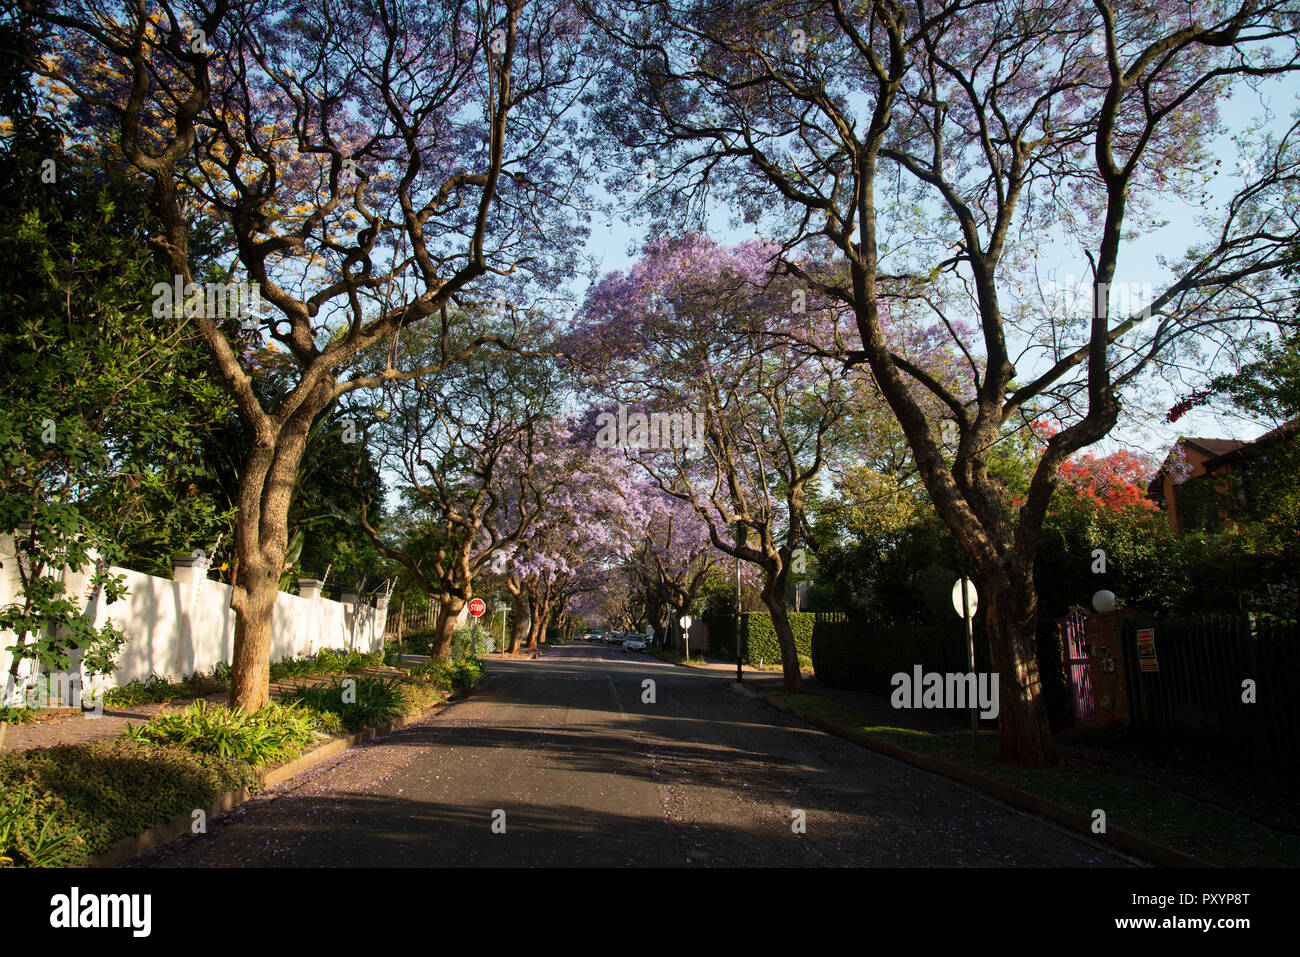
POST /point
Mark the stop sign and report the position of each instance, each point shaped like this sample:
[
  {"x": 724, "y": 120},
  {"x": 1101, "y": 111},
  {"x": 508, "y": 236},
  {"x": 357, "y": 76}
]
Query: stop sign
[{"x": 476, "y": 607}]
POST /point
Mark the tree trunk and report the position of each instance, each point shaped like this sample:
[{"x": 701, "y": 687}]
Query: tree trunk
[
  {"x": 449, "y": 607},
  {"x": 266, "y": 487},
  {"x": 774, "y": 598},
  {"x": 518, "y": 625},
  {"x": 1011, "y": 621},
  {"x": 250, "y": 667},
  {"x": 534, "y": 617}
]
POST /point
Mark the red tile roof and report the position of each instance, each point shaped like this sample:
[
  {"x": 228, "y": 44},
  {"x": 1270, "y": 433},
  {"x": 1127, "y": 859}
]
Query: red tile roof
[{"x": 1215, "y": 446}]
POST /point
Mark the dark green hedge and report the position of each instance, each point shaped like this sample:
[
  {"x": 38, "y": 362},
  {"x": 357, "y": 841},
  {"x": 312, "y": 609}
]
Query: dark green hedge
[{"x": 758, "y": 635}]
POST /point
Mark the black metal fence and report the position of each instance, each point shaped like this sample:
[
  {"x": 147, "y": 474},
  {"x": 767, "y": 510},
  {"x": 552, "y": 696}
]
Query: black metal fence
[{"x": 1230, "y": 684}]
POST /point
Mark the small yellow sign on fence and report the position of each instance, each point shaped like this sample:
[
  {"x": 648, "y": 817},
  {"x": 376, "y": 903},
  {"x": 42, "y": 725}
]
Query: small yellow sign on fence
[{"x": 1146, "y": 644}]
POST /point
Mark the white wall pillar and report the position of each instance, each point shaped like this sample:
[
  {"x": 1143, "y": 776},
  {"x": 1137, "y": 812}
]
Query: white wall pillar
[
  {"x": 310, "y": 588},
  {"x": 350, "y": 599},
  {"x": 191, "y": 573},
  {"x": 379, "y": 622}
]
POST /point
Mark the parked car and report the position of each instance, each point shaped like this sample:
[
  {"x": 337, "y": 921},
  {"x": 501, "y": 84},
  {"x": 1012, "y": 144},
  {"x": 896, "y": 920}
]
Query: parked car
[
  {"x": 634, "y": 643},
  {"x": 616, "y": 637}
]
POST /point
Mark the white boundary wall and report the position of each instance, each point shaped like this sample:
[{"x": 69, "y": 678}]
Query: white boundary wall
[{"x": 181, "y": 626}]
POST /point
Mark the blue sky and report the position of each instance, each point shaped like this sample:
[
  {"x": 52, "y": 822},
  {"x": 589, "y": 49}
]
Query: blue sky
[{"x": 611, "y": 238}]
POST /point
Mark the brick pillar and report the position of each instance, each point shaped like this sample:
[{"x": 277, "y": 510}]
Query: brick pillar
[{"x": 1104, "y": 632}]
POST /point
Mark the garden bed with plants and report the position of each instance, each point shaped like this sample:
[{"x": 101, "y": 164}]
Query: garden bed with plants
[{"x": 64, "y": 805}]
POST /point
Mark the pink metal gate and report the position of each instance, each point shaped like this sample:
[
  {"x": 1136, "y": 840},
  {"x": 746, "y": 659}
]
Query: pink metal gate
[{"x": 1076, "y": 659}]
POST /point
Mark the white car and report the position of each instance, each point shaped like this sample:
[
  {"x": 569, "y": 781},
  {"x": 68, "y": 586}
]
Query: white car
[{"x": 634, "y": 643}]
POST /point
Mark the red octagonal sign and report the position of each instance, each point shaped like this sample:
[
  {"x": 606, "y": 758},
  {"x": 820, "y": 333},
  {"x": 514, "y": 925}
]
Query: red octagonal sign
[{"x": 477, "y": 607}]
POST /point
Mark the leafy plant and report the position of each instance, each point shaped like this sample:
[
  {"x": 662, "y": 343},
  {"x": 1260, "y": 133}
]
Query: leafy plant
[
  {"x": 326, "y": 661},
  {"x": 450, "y": 675},
  {"x": 11, "y": 715},
  {"x": 31, "y": 834},
  {"x": 155, "y": 688},
  {"x": 275, "y": 734},
  {"x": 102, "y": 791},
  {"x": 158, "y": 688},
  {"x": 376, "y": 700}
]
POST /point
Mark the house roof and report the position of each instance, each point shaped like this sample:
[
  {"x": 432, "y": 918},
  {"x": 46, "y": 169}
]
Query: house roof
[
  {"x": 1214, "y": 447},
  {"x": 1218, "y": 450},
  {"x": 1283, "y": 431}
]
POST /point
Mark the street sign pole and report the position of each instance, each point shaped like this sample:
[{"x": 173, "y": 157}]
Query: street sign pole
[
  {"x": 966, "y": 604},
  {"x": 477, "y": 606},
  {"x": 970, "y": 659}
]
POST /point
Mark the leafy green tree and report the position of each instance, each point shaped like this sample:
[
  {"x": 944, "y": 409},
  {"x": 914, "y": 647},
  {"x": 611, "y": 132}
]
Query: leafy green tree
[
  {"x": 101, "y": 408},
  {"x": 1269, "y": 385}
]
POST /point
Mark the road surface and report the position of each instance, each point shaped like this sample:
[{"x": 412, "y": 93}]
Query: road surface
[{"x": 565, "y": 761}]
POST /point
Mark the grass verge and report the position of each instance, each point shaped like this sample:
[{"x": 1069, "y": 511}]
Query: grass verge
[
  {"x": 1161, "y": 816},
  {"x": 676, "y": 657}
]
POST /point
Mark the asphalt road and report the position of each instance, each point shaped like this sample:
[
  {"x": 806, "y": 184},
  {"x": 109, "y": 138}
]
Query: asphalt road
[{"x": 575, "y": 767}]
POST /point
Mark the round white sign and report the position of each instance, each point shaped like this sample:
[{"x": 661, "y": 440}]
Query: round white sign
[{"x": 971, "y": 596}]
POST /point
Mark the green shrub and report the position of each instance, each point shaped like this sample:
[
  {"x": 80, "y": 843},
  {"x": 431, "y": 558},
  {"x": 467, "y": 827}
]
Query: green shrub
[
  {"x": 328, "y": 722},
  {"x": 470, "y": 642},
  {"x": 418, "y": 642},
  {"x": 290, "y": 667},
  {"x": 758, "y": 635},
  {"x": 87, "y": 797},
  {"x": 31, "y": 834},
  {"x": 377, "y": 700},
  {"x": 419, "y": 695},
  {"x": 11, "y": 715},
  {"x": 157, "y": 688},
  {"x": 326, "y": 661},
  {"x": 273, "y": 735},
  {"x": 448, "y": 675}
]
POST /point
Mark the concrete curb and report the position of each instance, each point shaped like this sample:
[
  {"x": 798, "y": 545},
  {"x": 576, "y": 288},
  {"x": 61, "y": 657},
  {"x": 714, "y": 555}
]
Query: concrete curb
[
  {"x": 178, "y": 826},
  {"x": 1075, "y": 820}
]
